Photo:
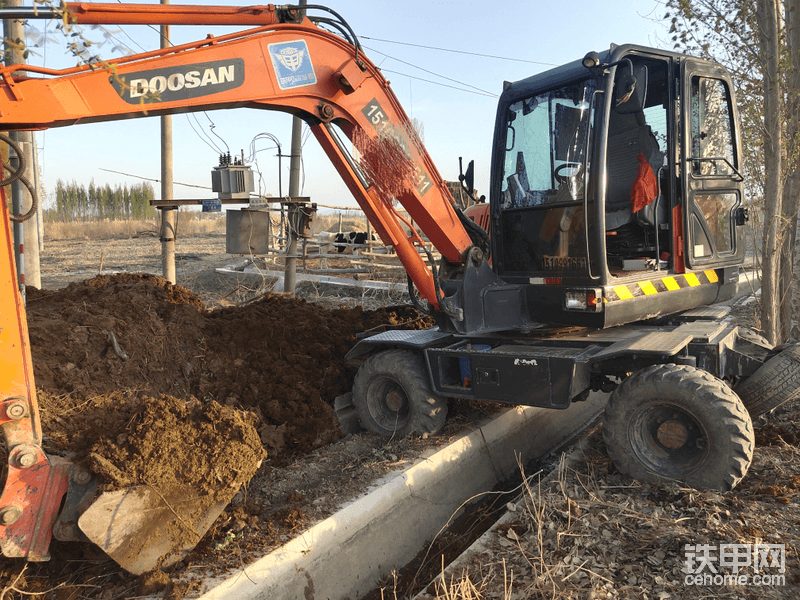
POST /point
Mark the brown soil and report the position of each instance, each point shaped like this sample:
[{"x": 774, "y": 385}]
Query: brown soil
[
  {"x": 281, "y": 359},
  {"x": 135, "y": 377}
]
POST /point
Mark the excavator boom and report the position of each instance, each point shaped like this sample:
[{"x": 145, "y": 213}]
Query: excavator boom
[
  {"x": 81, "y": 13},
  {"x": 294, "y": 67},
  {"x": 285, "y": 63}
]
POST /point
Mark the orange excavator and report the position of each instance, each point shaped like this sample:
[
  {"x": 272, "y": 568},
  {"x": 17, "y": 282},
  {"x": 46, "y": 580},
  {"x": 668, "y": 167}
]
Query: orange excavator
[
  {"x": 582, "y": 293},
  {"x": 285, "y": 62}
]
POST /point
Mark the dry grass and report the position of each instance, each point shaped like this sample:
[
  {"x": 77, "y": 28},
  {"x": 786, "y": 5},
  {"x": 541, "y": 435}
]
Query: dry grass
[
  {"x": 350, "y": 221},
  {"x": 588, "y": 532},
  {"x": 189, "y": 223}
]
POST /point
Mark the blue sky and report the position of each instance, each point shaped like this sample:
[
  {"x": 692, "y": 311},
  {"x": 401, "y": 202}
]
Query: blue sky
[{"x": 456, "y": 122}]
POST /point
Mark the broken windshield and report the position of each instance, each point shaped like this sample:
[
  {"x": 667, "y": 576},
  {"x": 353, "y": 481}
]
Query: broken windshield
[{"x": 546, "y": 146}]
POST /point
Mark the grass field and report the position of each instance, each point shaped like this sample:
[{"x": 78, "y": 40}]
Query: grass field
[{"x": 189, "y": 223}]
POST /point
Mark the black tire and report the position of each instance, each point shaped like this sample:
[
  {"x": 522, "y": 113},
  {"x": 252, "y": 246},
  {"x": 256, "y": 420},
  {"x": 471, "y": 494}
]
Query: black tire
[
  {"x": 393, "y": 396},
  {"x": 678, "y": 423},
  {"x": 775, "y": 382}
]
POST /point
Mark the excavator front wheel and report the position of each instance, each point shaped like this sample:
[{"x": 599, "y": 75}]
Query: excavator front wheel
[
  {"x": 679, "y": 423},
  {"x": 393, "y": 397}
]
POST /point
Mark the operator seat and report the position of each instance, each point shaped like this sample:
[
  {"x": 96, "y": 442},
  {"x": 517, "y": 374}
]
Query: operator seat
[{"x": 629, "y": 135}]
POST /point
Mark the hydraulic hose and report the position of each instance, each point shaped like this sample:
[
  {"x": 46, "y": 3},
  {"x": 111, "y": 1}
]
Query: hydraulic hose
[
  {"x": 416, "y": 301},
  {"x": 476, "y": 233},
  {"x": 17, "y": 175}
]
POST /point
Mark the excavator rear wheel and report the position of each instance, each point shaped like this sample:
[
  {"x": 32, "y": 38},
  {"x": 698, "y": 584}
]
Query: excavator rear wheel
[
  {"x": 775, "y": 382},
  {"x": 679, "y": 423},
  {"x": 393, "y": 397}
]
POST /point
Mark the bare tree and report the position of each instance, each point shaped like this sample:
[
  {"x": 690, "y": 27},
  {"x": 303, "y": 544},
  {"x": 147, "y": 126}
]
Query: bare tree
[{"x": 760, "y": 43}]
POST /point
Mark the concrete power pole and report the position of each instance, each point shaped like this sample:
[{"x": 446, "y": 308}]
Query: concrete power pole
[
  {"x": 290, "y": 273},
  {"x": 167, "y": 212},
  {"x": 26, "y": 238}
]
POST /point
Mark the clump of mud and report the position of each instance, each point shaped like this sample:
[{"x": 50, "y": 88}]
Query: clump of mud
[
  {"x": 168, "y": 442},
  {"x": 136, "y": 380},
  {"x": 103, "y": 346}
]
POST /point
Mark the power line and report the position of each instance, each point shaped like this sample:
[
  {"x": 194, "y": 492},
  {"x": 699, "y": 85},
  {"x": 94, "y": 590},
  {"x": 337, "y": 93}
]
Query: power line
[
  {"x": 201, "y": 134},
  {"x": 213, "y": 125},
  {"x": 202, "y": 187},
  {"x": 122, "y": 29},
  {"x": 533, "y": 62},
  {"x": 481, "y": 93},
  {"x": 431, "y": 72}
]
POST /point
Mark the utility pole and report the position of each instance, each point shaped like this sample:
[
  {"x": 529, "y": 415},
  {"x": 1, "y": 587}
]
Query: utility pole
[
  {"x": 290, "y": 271},
  {"x": 38, "y": 187},
  {"x": 167, "y": 212},
  {"x": 26, "y": 239}
]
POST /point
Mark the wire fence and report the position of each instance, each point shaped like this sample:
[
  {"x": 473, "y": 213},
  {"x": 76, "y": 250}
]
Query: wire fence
[{"x": 338, "y": 242}]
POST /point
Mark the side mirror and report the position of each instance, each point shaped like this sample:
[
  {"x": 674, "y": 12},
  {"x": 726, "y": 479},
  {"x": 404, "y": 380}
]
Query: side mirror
[
  {"x": 467, "y": 179},
  {"x": 631, "y": 89}
]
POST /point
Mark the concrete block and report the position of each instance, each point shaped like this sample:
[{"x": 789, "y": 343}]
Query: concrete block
[{"x": 345, "y": 555}]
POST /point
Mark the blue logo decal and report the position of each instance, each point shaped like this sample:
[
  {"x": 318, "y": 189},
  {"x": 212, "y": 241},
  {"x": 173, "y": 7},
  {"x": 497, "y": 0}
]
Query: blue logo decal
[{"x": 292, "y": 64}]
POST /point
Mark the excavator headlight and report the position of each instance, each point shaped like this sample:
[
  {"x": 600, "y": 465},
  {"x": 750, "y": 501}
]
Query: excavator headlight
[
  {"x": 591, "y": 60},
  {"x": 585, "y": 300}
]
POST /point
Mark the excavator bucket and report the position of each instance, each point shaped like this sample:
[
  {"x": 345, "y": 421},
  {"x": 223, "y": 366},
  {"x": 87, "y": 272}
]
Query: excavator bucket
[
  {"x": 155, "y": 512},
  {"x": 143, "y": 528}
]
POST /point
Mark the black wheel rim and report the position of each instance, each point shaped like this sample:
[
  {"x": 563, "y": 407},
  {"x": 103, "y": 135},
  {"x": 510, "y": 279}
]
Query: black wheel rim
[
  {"x": 388, "y": 404},
  {"x": 668, "y": 439}
]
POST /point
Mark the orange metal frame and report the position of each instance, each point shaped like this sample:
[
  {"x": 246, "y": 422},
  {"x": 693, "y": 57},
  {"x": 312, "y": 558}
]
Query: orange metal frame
[
  {"x": 393, "y": 162},
  {"x": 35, "y": 482}
]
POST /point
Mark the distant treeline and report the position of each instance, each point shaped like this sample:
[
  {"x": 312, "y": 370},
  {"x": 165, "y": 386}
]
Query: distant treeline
[{"x": 74, "y": 202}]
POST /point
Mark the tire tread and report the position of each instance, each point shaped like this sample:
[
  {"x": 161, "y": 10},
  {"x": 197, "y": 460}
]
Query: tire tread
[
  {"x": 707, "y": 388},
  {"x": 775, "y": 382}
]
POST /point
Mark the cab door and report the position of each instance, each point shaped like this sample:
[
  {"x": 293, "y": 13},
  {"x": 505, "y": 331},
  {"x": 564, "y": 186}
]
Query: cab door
[{"x": 713, "y": 188}]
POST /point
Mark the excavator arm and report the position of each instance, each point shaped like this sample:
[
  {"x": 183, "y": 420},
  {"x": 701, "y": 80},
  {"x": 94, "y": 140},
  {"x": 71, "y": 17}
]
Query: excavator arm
[
  {"x": 285, "y": 63},
  {"x": 288, "y": 64}
]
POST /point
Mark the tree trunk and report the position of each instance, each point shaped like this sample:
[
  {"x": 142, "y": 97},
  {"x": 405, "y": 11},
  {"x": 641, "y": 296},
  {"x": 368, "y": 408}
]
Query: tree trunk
[
  {"x": 791, "y": 197},
  {"x": 767, "y": 16},
  {"x": 794, "y": 334},
  {"x": 787, "y": 246}
]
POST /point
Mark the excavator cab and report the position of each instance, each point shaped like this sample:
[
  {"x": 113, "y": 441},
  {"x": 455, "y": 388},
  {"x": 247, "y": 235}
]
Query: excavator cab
[{"x": 616, "y": 189}]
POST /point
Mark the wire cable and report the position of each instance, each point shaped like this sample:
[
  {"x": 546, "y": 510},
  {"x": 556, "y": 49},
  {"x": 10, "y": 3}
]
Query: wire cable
[
  {"x": 213, "y": 125},
  {"x": 208, "y": 143},
  {"x": 452, "y": 87},
  {"x": 533, "y": 62},
  {"x": 18, "y": 175},
  {"x": 430, "y": 72}
]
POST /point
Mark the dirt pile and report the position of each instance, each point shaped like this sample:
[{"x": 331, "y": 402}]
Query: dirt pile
[
  {"x": 135, "y": 377},
  {"x": 120, "y": 338}
]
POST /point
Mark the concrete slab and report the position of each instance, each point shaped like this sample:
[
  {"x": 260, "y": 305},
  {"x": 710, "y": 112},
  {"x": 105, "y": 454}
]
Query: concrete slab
[
  {"x": 481, "y": 546},
  {"x": 345, "y": 555}
]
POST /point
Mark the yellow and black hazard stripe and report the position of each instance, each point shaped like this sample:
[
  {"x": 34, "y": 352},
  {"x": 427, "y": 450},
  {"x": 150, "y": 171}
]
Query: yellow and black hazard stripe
[{"x": 651, "y": 287}]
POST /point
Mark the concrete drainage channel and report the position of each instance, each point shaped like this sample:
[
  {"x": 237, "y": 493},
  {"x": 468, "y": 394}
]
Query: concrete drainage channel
[
  {"x": 344, "y": 556},
  {"x": 481, "y": 545}
]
